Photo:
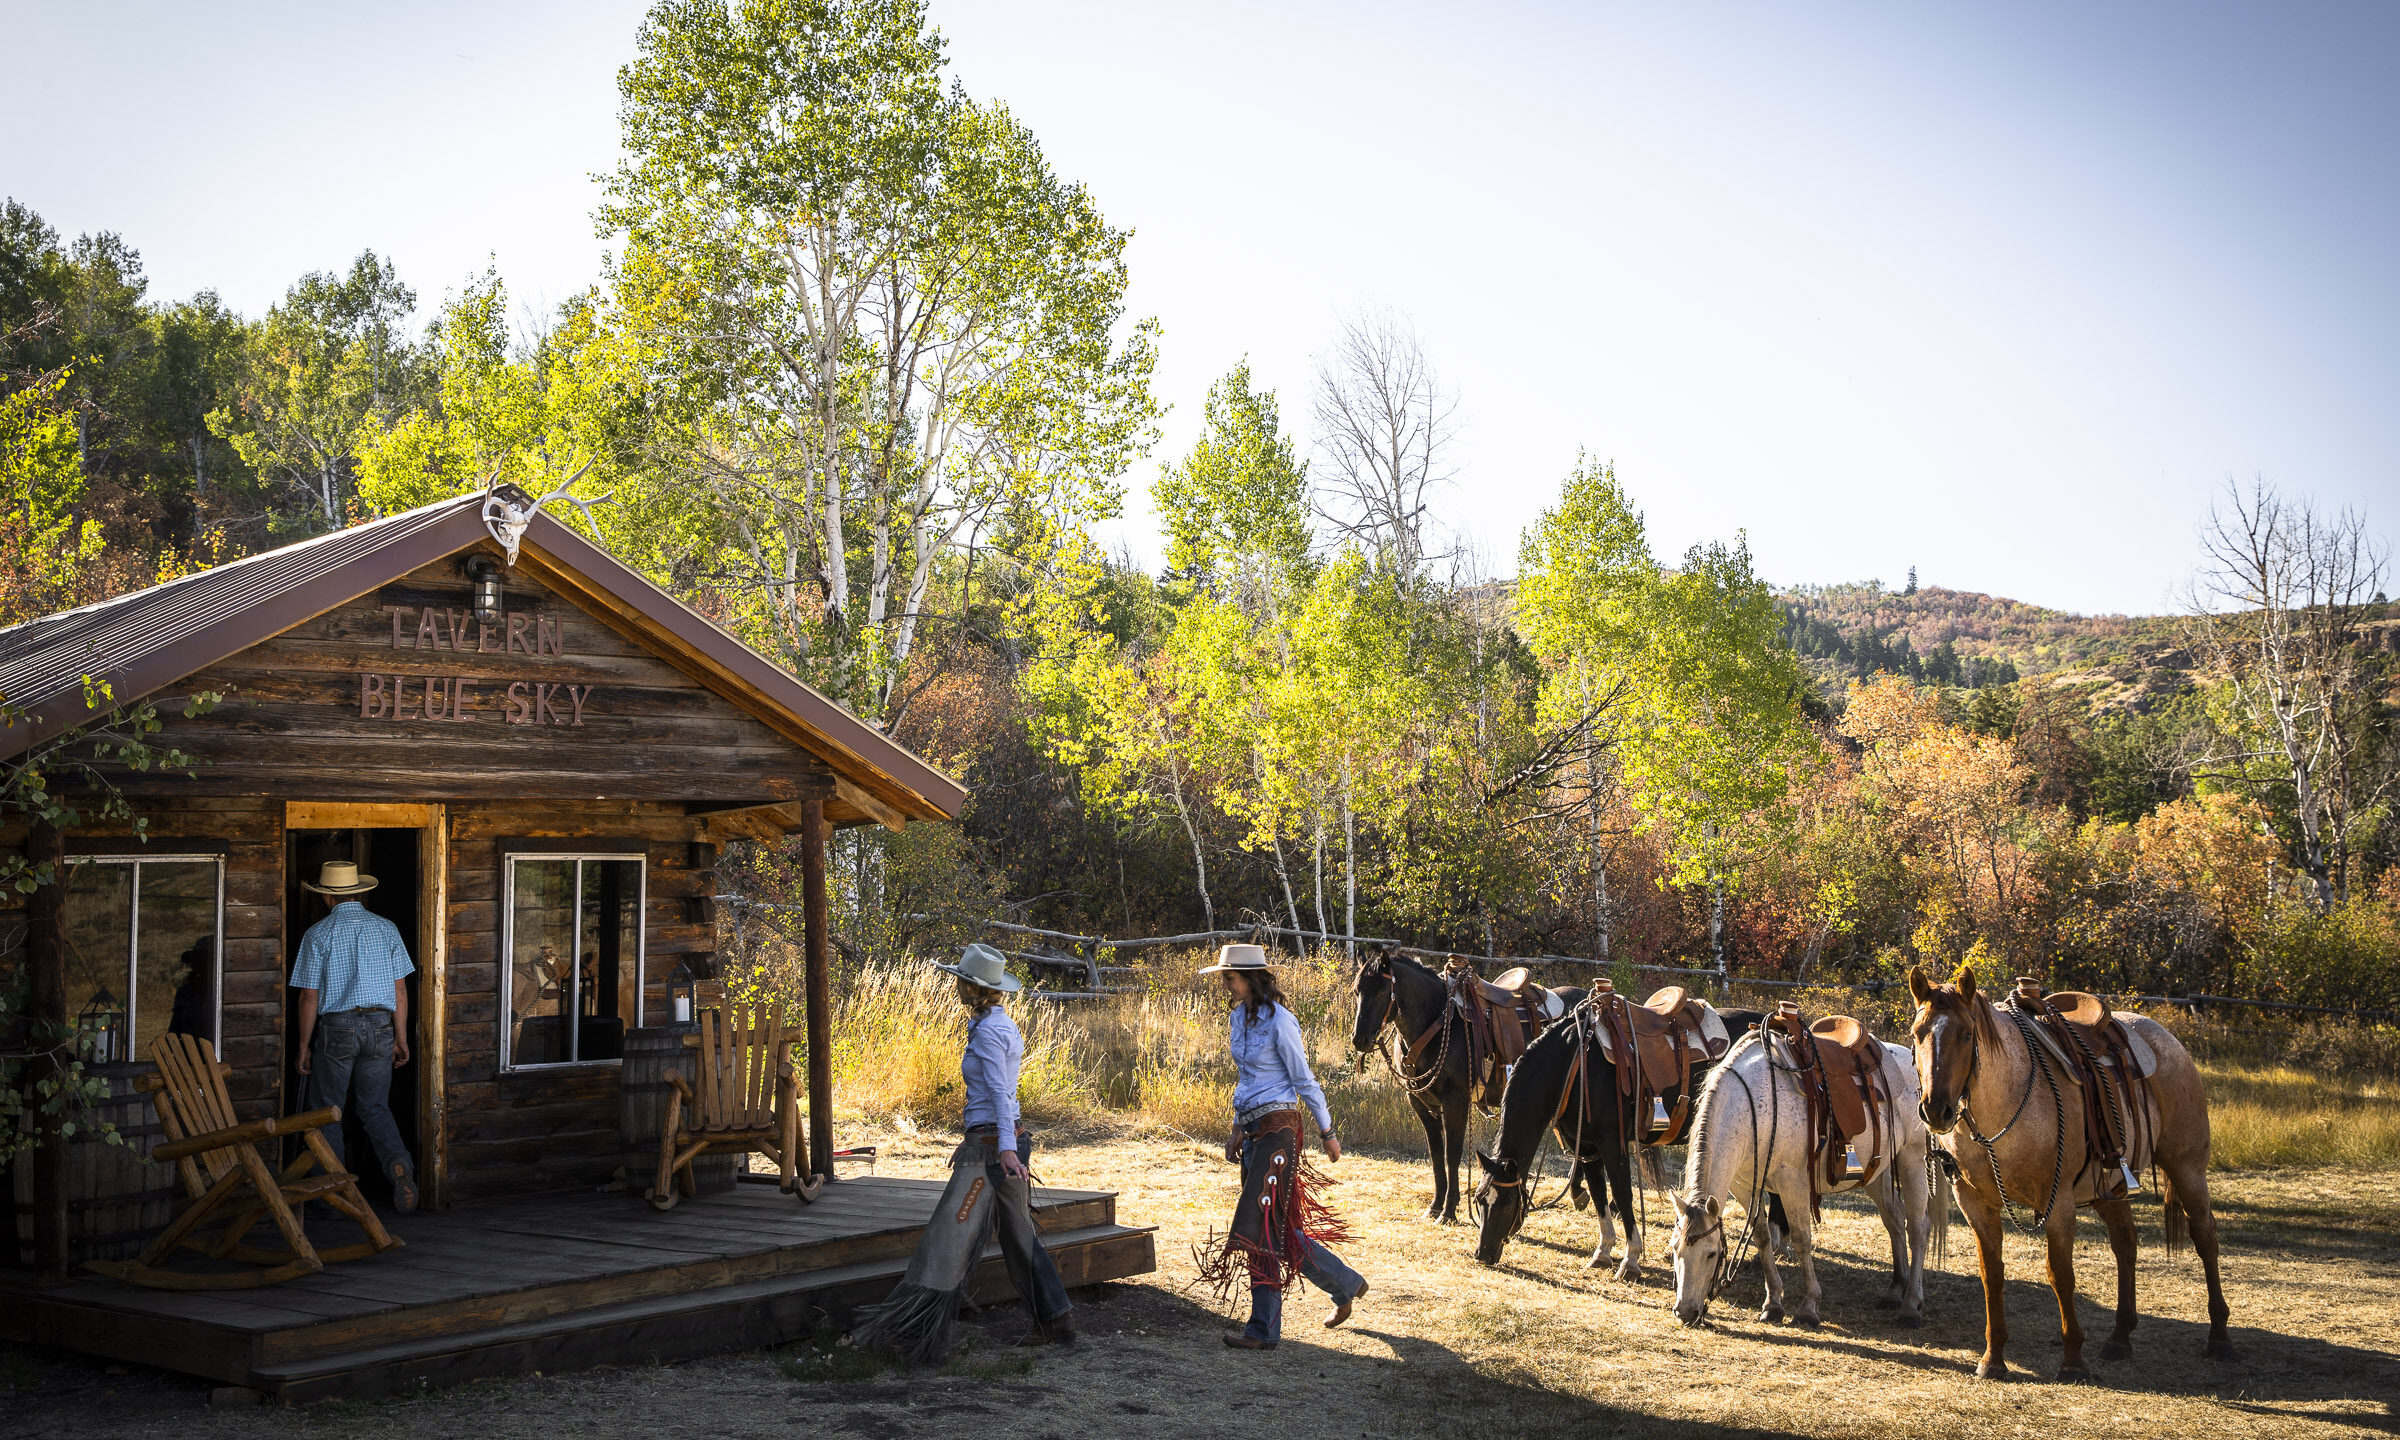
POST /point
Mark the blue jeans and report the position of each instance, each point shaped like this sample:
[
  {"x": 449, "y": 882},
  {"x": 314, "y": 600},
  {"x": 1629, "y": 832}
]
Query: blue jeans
[
  {"x": 1323, "y": 1269},
  {"x": 352, "y": 1067},
  {"x": 1318, "y": 1266}
]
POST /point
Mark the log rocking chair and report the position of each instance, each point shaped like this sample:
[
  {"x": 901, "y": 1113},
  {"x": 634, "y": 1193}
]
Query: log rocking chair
[
  {"x": 226, "y": 1178},
  {"x": 747, "y": 1101}
]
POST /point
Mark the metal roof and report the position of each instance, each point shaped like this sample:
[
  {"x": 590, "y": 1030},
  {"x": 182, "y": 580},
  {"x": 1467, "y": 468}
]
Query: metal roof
[{"x": 139, "y": 643}]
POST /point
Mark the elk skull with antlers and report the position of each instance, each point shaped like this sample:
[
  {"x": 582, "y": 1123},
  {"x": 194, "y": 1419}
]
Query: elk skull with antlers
[{"x": 507, "y": 510}]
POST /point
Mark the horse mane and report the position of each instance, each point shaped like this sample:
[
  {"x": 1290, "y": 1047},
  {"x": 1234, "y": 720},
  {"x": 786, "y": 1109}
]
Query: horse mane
[{"x": 1695, "y": 1160}]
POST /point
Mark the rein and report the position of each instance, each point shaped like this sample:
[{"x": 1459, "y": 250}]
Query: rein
[
  {"x": 1431, "y": 1075},
  {"x": 1577, "y": 1072},
  {"x": 1730, "y": 1263},
  {"x": 2058, "y": 1108}
]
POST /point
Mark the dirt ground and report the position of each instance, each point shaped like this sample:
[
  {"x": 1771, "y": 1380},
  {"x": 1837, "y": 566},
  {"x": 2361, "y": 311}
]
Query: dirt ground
[{"x": 1537, "y": 1346}]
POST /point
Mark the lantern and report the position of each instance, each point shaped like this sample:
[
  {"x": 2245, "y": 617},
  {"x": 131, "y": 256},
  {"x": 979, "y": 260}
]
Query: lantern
[
  {"x": 679, "y": 995},
  {"x": 103, "y": 1020},
  {"x": 484, "y": 598}
]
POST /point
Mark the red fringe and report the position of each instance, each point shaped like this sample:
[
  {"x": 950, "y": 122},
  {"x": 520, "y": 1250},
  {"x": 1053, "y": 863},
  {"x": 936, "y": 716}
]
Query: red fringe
[{"x": 1225, "y": 1259}]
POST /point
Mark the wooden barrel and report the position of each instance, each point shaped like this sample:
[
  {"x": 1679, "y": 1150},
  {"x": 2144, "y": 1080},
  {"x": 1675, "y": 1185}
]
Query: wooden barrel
[
  {"x": 642, "y": 1107},
  {"x": 117, "y": 1199}
]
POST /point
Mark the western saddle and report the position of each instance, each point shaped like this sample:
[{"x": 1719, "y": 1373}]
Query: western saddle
[
  {"x": 1503, "y": 1016},
  {"x": 2110, "y": 1064},
  {"x": 1666, "y": 1035},
  {"x": 1839, "y": 1066}
]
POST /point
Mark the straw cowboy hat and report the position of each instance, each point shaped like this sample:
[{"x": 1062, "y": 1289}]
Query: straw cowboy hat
[
  {"x": 340, "y": 877},
  {"x": 1239, "y": 957},
  {"x": 984, "y": 966}
]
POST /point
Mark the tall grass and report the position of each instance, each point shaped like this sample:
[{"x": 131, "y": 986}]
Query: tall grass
[
  {"x": 1157, "y": 1057},
  {"x": 2277, "y": 1117}
]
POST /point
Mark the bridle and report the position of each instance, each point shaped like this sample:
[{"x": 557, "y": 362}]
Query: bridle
[
  {"x": 1577, "y": 1073},
  {"x": 1426, "y": 1078},
  {"x": 2037, "y": 1061},
  {"x": 1729, "y": 1260}
]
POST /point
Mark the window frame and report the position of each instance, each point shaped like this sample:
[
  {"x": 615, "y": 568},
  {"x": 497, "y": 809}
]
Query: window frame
[
  {"x": 132, "y": 972},
  {"x": 509, "y": 856}
]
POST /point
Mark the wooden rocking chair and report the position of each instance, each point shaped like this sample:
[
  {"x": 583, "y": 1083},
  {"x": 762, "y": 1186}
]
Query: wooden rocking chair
[
  {"x": 228, "y": 1179},
  {"x": 747, "y": 1099}
]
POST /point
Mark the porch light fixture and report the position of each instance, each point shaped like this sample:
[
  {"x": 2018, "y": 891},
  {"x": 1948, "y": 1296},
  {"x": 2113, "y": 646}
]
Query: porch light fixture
[
  {"x": 485, "y": 596},
  {"x": 102, "y": 1021},
  {"x": 679, "y": 994}
]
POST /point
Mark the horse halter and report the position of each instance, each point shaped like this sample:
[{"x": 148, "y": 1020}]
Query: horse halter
[
  {"x": 1720, "y": 1274},
  {"x": 1966, "y": 1087}
]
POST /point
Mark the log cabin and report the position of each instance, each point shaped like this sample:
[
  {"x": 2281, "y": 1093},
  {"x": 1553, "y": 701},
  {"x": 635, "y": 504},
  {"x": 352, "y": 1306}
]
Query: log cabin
[{"x": 539, "y": 754}]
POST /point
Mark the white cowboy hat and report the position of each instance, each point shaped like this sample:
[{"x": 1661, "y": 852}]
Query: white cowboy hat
[
  {"x": 340, "y": 877},
  {"x": 1238, "y": 957},
  {"x": 985, "y": 966}
]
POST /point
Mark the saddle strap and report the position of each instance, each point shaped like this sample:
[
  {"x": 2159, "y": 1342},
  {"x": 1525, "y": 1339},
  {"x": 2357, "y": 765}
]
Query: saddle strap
[{"x": 1683, "y": 1084}]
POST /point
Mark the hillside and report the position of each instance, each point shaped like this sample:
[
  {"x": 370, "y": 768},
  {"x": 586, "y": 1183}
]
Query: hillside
[{"x": 1969, "y": 639}]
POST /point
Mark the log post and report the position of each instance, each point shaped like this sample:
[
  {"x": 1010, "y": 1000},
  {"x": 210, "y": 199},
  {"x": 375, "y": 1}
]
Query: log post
[
  {"x": 46, "y": 952},
  {"x": 817, "y": 936}
]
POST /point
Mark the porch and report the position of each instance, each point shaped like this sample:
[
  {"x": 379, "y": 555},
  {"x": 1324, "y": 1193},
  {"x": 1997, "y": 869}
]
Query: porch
[{"x": 552, "y": 1283}]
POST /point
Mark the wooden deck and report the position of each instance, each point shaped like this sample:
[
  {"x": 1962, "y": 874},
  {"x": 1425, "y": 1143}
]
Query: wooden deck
[{"x": 559, "y": 1282}]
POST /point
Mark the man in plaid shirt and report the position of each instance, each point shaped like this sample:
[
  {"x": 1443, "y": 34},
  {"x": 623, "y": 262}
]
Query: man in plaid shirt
[{"x": 352, "y": 975}]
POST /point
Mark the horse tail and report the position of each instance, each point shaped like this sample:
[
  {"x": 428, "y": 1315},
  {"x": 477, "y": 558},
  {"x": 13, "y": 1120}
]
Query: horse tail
[
  {"x": 2170, "y": 1206},
  {"x": 1654, "y": 1170}
]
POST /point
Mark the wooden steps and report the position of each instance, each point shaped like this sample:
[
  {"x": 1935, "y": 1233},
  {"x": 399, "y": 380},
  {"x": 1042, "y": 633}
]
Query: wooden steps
[{"x": 556, "y": 1283}]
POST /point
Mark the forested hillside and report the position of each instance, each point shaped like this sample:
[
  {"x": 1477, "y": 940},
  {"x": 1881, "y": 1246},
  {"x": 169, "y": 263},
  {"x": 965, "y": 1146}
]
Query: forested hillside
[{"x": 1311, "y": 714}]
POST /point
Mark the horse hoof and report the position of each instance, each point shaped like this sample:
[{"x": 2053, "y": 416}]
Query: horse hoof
[
  {"x": 2219, "y": 1350},
  {"x": 2116, "y": 1350},
  {"x": 1808, "y": 1321},
  {"x": 1772, "y": 1315},
  {"x": 1909, "y": 1322},
  {"x": 1993, "y": 1370},
  {"x": 1582, "y": 1201},
  {"x": 2075, "y": 1376},
  {"x": 1886, "y": 1302}
]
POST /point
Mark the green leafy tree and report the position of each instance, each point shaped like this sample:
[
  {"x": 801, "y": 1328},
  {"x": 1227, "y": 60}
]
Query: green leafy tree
[
  {"x": 889, "y": 328},
  {"x": 327, "y": 370},
  {"x": 1683, "y": 674},
  {"x": 1236, "y": 509}
]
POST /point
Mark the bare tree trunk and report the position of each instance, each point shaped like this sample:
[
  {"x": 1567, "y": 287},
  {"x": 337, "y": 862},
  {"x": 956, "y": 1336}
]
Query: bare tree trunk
[
  {"x": 2276, "y": 607},
  {"x": 1600, "y": 905},
  {"x": 1349, "y": 863},
  {"x": 1284, "y": 875},
  {"x": 1320, "y": 879}
]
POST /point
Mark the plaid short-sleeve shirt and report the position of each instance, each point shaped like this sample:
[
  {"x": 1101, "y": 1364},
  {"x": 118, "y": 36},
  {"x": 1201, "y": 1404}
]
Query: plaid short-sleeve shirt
[{"x": 351, "y": 959}]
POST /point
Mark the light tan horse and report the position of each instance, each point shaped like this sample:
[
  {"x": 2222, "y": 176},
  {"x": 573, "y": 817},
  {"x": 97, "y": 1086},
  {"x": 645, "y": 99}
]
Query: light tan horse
[{"x": 2013, "y": 1118}]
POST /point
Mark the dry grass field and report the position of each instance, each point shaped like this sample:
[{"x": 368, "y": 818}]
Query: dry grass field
[{"x": 1539, "y": 1346}]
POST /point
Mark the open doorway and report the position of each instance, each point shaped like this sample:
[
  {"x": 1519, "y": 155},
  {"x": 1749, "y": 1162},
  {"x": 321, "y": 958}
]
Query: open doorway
[{"x": 391, "y": 856}]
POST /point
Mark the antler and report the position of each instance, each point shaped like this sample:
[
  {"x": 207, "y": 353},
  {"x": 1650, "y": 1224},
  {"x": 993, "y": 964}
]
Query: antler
[
  {"x": 507, "y": 520},
  {"x": 584, "y": 505}
]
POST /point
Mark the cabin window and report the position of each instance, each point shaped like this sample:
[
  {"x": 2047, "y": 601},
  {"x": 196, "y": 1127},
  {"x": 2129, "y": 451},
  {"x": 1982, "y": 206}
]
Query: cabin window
[
  {"x": 573, "y": 939},
  {"x": 150, "y": 931}
]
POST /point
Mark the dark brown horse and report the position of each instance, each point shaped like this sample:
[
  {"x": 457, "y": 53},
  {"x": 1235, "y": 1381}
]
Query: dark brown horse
[
  {"x": 1565, "y": 1086},
  {"x": 1397, "y": 993},
  {"x": 2013, "y": 1119}
]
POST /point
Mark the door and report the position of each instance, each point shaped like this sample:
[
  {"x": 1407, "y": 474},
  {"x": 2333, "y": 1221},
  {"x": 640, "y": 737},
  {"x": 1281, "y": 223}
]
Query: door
[
  {"x": 402, "y": 846},
  {"x": 390, "y": 855}
]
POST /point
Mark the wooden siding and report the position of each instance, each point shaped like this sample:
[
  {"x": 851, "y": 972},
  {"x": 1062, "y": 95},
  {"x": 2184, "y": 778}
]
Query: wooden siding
[
  {"x": 548, "y": 1128},
  {"x": 291, "y": 722}
]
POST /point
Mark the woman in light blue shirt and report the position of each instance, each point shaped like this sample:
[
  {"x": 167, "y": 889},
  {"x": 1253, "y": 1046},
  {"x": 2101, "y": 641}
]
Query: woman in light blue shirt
[
  {"x": 989, "y": 1189},
  {"x": 1279, "y": 1228}
]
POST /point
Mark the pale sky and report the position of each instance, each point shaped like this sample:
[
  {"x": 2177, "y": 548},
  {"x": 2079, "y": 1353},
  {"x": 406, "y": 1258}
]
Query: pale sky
[{"x": 2005, "y": 294}]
